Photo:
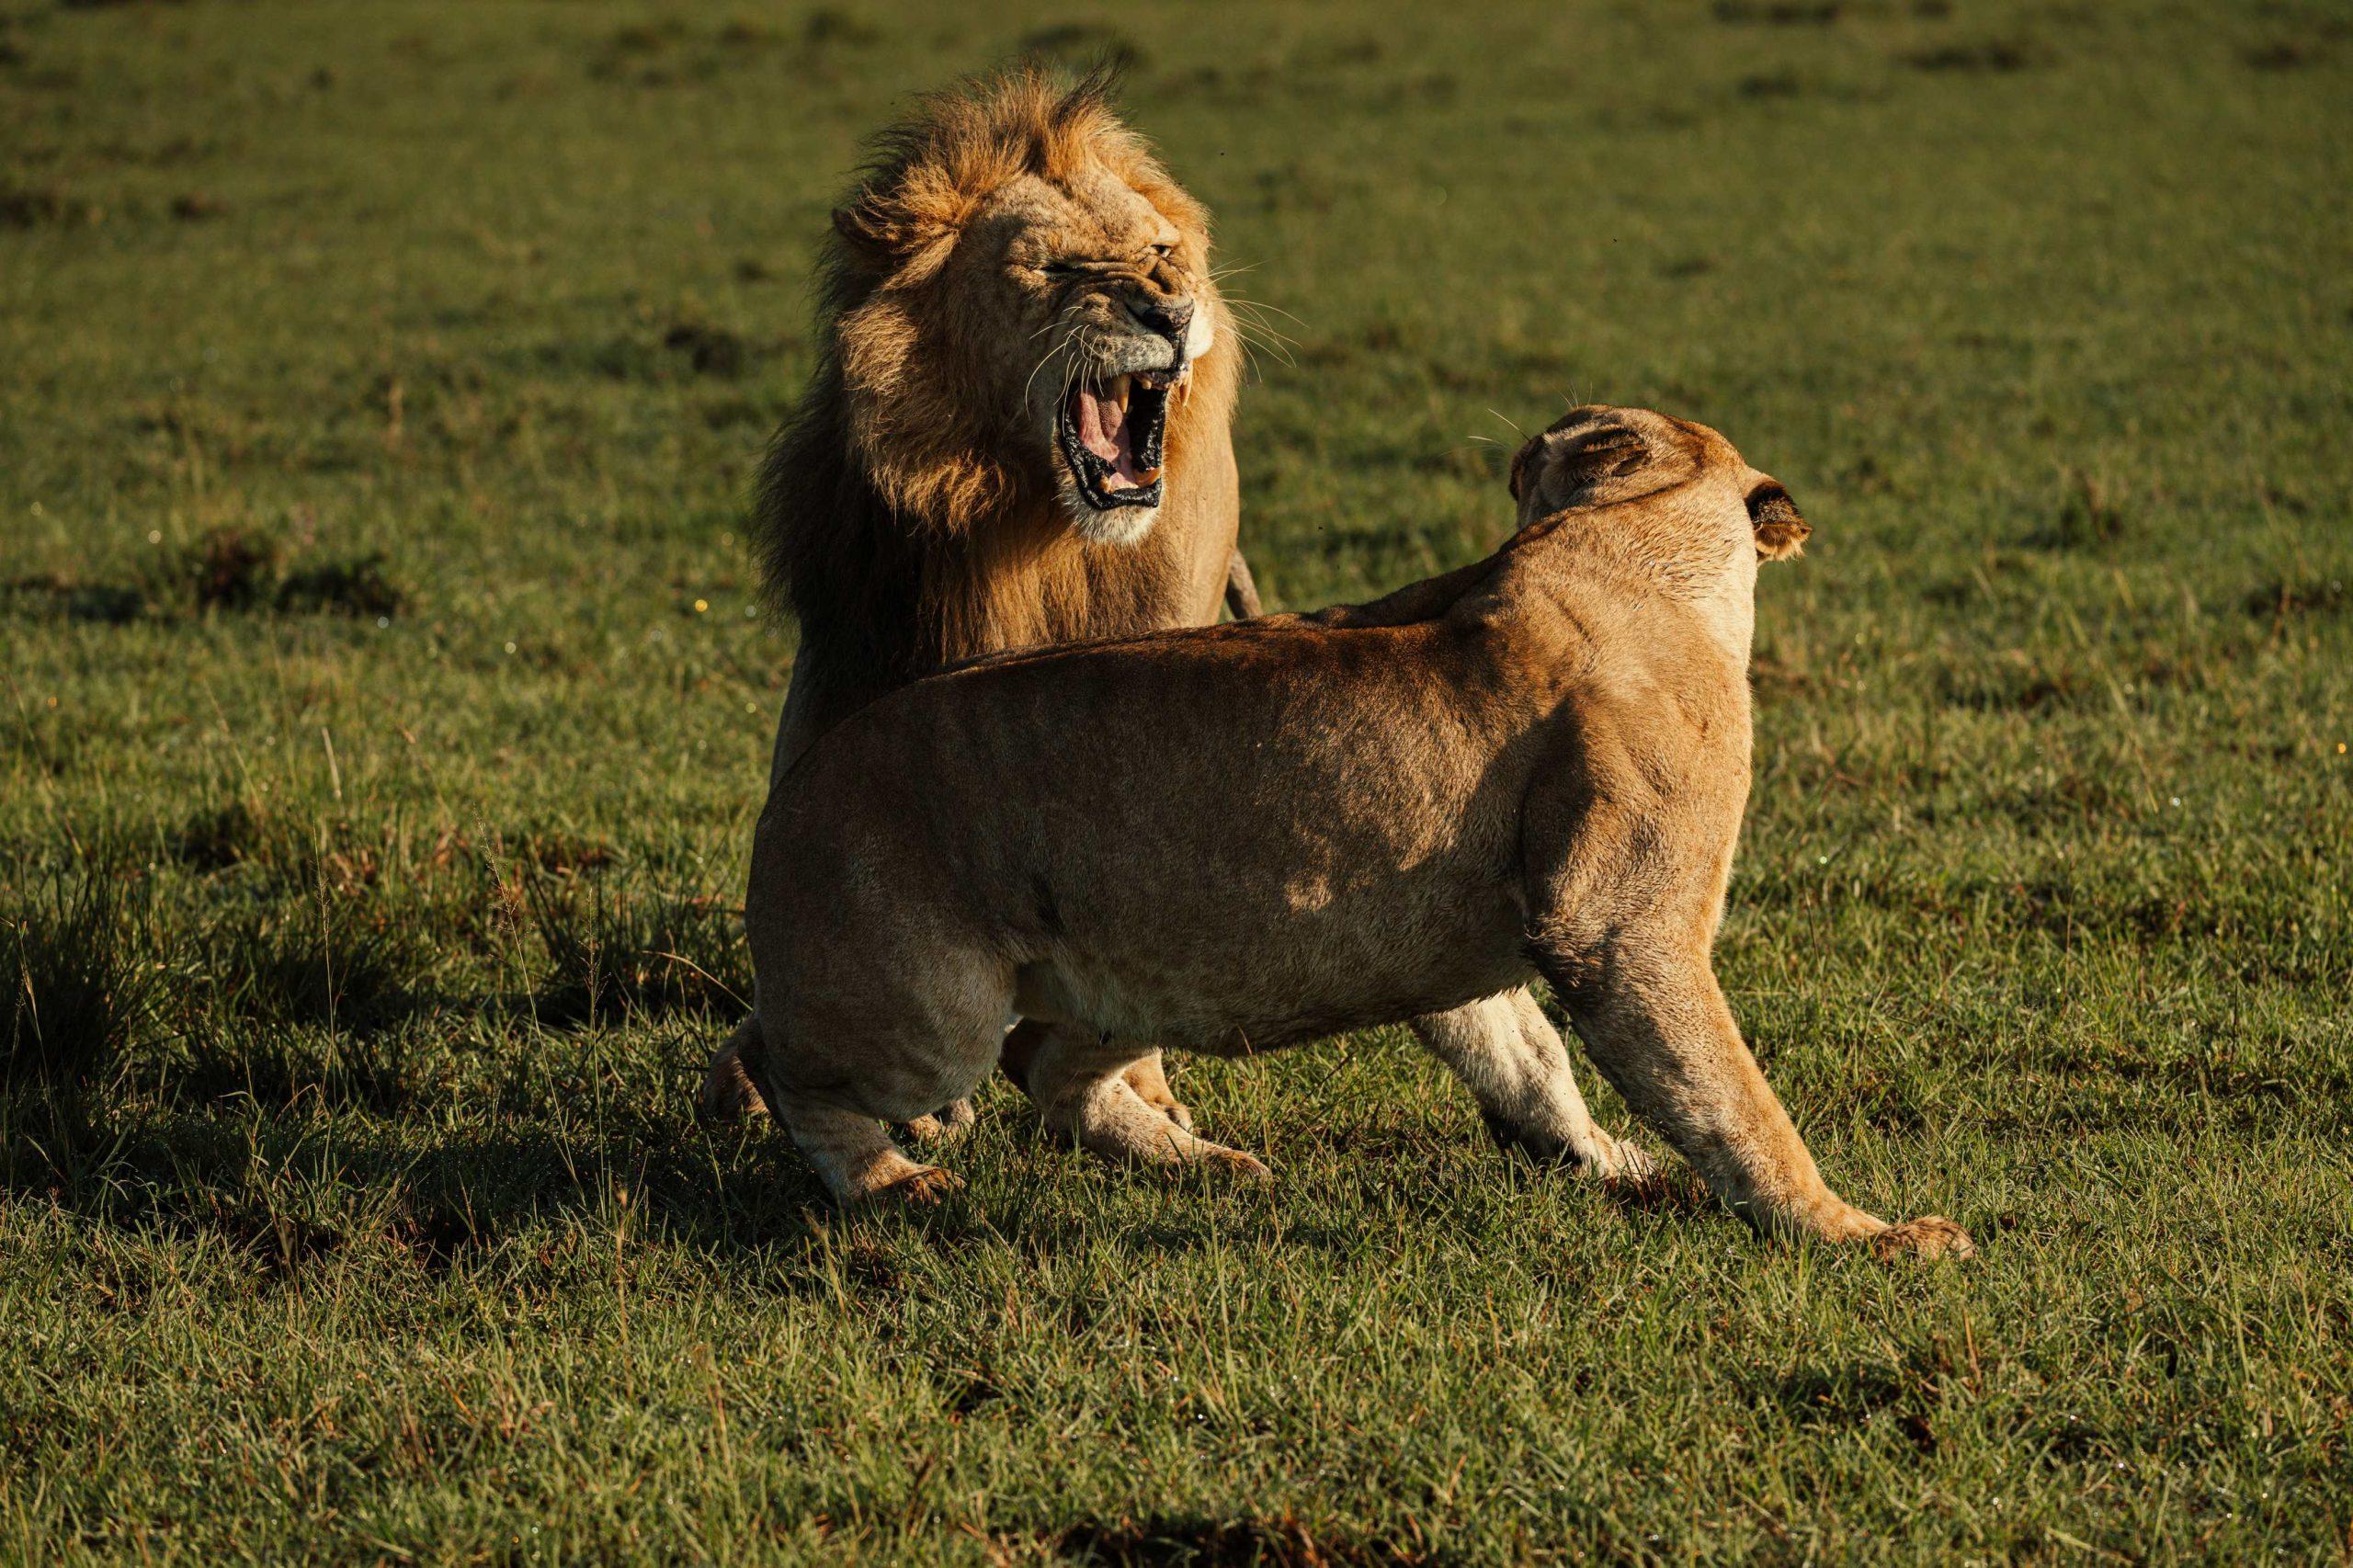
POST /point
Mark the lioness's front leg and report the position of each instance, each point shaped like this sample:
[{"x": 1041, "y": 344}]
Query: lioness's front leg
[
  {"x": 1512, "y": 1060},
  {"x": 1145, "y": 1075},
  {"x": 1654, "y": 1021}
]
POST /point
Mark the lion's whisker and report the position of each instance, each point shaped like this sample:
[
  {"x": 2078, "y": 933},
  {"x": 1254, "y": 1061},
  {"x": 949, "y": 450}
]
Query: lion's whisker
[
  {"x": 1257, "y": 337},
  {"x": 1262, "y": 305},
  {"x": 1253, "y": 324}
]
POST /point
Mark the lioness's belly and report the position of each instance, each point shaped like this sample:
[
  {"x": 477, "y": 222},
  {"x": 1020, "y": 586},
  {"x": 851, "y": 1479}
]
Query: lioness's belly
[{"x": 1258, "y": 975}]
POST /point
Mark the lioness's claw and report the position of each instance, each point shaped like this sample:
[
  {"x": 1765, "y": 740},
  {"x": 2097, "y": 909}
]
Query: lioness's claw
[
  {"x": 925, "y": 1186},
  {"x": 1931, "y": 1236},
  {"x": 1623, "y": 1161},
  {"x": 1232, "y": 1164}
]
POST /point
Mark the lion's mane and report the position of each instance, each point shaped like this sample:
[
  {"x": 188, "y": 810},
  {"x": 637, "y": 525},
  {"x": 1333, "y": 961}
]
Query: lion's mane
[{"x": 899, "y": 517}]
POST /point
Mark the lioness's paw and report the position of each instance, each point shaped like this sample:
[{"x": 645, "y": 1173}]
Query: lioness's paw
[
  {"x": 943, "y": 1125},
  {"x": 1622, "y": 1161},
  {"x": 727, "y": 1093},
  {"x": 1232, "y": 1164},
  {"x": 1931, "y": 1236},
  {"x": 924, "y": 1187}
]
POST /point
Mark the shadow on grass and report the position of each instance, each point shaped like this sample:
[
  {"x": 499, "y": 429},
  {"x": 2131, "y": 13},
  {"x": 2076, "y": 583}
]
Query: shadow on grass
[
  {"x": 1213, "y": 1544},
  {"x": 287, "y": 1200},
  {"x": 227, "y": 570}
]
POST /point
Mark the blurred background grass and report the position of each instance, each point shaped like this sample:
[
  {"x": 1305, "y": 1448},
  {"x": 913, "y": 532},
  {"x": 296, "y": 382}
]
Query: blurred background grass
[{"x": 387, "y": 707}]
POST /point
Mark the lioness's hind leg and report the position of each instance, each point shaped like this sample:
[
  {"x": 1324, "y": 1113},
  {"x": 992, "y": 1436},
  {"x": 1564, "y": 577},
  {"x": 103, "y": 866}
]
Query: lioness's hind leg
[
  {"x": 728, "y": 1093},
  {"x": 1511, "y": 1059},
  {"x": 852, "y": 1039},
  {"x": 1081, "y": 1084}
]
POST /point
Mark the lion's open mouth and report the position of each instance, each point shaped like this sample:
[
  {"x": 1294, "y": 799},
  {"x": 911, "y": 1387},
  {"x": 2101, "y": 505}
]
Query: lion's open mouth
[{"x": 1110, "y": 437}]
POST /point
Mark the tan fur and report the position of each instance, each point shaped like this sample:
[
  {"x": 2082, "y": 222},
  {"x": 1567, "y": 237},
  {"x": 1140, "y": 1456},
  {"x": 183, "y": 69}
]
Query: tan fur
[
  {"x": 1400, "y": 810},
  {"x": 915, "y": 511}
]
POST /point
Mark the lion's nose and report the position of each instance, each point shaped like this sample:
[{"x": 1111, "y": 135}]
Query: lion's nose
[{"x": 1169, "y": 318}]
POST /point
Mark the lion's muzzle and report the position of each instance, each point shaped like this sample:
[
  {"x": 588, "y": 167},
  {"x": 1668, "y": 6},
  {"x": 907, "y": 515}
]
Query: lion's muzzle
[{"x": 1110, "y": 435}]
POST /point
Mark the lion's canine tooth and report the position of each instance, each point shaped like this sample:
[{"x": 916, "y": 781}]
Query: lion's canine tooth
[{"x": 1119, "y": 391}]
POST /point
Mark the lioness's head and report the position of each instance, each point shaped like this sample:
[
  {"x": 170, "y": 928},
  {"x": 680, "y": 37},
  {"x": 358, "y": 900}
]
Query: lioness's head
[
  {"x": 1021, "y": 305},
  {"x": 1699, "y": 484}
]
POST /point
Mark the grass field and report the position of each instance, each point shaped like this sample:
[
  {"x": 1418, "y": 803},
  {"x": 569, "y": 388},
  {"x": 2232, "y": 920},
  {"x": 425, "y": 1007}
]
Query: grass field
[{"x": 383, "y": 698}]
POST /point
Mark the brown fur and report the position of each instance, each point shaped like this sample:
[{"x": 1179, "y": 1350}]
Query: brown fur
[
  {"x": 1400, "y": 810},
  {"x": 909, "y": 514}
]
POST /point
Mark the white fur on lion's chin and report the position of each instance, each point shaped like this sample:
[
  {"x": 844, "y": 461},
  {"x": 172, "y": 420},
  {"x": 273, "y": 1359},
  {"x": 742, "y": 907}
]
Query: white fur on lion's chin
[{"x": 1120, "y": 525}]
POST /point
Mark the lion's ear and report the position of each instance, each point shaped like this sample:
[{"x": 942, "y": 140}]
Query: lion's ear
[
  {"x": 1780, "y": 529},
  {"x": 905, "y": 238},
  {"x": 870, "y": 226}
]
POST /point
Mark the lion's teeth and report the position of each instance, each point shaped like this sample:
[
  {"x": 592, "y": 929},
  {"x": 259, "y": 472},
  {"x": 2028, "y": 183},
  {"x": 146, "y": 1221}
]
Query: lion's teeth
[{"x": 1119, "y": 391}]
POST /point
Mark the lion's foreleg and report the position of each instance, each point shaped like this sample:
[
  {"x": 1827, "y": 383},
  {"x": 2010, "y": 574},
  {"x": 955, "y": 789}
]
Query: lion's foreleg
[
  {"x": 728, "y": 1091},
  {"x": 1148, "y": 1076},
  {"x": 1240, "y": 589}
]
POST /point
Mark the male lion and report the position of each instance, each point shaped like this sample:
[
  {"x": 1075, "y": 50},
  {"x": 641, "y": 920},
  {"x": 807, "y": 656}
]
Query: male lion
[
  {"x": 1399, "y": 810},
  {"x": 1016, "y": 431}
]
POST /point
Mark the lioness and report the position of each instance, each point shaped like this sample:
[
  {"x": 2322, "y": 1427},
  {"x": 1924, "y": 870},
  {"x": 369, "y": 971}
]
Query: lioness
[
  {"x": 1017, "y": 432},
  {"x": 1534, "y": 765}
]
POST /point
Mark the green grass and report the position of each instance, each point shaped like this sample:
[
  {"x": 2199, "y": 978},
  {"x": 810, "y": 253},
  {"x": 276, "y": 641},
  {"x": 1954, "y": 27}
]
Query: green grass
[{"x": 380, "y": 1227}]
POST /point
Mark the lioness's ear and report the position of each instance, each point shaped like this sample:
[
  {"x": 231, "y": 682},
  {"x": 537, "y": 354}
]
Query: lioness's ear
[
  {"x": 1599, "y": 449},
  {"x": 1576, "y": 461},
  {"x": 1519, "y": 461},
  {"x": 1781, "y": 530}
]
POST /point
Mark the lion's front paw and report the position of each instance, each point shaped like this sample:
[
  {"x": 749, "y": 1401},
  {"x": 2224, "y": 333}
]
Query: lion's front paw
[
  {"x": 1931, "y": 1236},
  {"x": 1591, "y": 1153},
  {"x": 922, "y": 1188}
]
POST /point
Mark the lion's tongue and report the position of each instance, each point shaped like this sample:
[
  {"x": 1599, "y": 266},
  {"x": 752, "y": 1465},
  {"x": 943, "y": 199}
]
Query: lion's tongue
[{"x": 1103, "y": 430}]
